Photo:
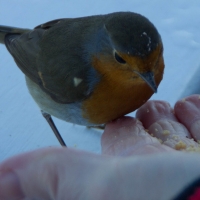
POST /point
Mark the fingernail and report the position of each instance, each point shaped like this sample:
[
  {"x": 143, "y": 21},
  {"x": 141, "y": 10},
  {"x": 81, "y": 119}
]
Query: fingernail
[{"x": 9, "y": 185}]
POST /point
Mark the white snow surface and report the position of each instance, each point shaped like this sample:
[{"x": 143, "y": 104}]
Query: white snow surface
[{"x": 22, "y": 127}]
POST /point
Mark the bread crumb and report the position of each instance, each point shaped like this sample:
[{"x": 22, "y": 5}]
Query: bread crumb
[
  {"x": 166, "y": 132},
  {"x": 175, "y": 137},
  {"x": 180, "y": 145},
  {"x": 193, "y": 149}
]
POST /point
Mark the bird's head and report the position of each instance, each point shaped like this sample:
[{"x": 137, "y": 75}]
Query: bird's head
[{"x": 130, "y": 43}]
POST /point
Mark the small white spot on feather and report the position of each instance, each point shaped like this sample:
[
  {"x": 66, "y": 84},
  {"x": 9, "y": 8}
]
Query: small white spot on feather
[{"x": 77, "y": 81}]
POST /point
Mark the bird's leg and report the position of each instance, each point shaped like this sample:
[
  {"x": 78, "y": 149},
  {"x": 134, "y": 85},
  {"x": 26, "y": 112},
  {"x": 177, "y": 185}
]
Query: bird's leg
[{"x": 53, "y": 127}]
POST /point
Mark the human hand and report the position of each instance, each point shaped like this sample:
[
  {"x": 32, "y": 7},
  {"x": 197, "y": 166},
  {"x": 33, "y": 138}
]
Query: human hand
[{"x": 133, "y": 164}]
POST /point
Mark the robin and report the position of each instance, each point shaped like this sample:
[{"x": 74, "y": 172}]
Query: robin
[{"x": 88, "y": 70}]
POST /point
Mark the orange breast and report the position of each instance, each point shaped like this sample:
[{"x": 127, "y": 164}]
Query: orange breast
[{"x": 118, "y": 93}]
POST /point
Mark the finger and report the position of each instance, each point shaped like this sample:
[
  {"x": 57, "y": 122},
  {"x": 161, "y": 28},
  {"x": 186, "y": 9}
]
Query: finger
[
  {"x": 20, "y": 174},
  {"x": 161, "y": 175},
  {"x": 9, "y": 185},
  {"x": 158, "y": 117},
  {"x": 52, "y": 173},
  {"x": 126, "y": 136},
  {"x": 188, "y": 112}
]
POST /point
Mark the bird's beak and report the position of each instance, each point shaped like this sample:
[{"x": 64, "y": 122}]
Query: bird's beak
[{"x": 148, "y": 77}]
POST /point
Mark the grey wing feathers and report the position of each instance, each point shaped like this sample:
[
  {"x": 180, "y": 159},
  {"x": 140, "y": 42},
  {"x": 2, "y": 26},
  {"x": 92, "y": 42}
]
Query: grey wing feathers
[
  {"x": 45, "y": 60},
  {"x": 49, "y": 24},
  {"x": 24, "y": 50}
]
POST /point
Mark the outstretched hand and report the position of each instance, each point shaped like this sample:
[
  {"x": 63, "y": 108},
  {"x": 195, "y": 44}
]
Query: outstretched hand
[{"x": 139, "y": 160}]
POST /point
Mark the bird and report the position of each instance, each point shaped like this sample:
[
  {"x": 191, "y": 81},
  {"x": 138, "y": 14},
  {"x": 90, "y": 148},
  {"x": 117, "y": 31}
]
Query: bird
[{"x": 88, "y": 70}]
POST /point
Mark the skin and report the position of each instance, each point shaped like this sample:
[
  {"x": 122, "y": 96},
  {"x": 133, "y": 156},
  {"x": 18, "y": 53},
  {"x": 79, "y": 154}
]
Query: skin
[{"x": 133, "y": 164}]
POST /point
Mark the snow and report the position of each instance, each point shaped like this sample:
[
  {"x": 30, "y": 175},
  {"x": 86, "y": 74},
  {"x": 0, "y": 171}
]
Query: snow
[{"x": 22, "y": 126}]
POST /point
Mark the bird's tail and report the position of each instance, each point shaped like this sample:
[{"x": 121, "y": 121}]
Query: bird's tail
[{"x": 4, "y": 30}]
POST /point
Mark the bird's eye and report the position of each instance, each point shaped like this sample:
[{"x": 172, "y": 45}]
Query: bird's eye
[{"x": 119, "y": 59}]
